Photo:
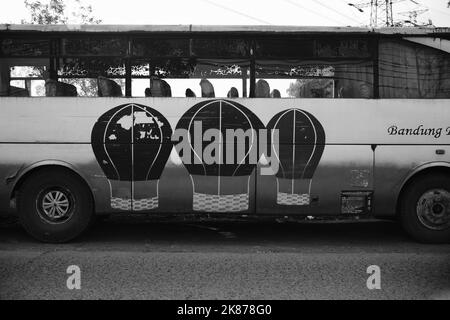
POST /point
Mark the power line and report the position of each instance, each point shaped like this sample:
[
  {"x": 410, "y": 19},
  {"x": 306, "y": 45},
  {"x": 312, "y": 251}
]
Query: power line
[
  {"x": 310, "y": 10},
  {"x": 436, "y": 9},
  {"x": 347, "y": 3},
  {"x": 332, "y": 9},
  {"x": 236, "y": 12}
]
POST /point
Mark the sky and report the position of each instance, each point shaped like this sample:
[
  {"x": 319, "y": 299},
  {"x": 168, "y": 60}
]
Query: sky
[{"x": 239, "y": 12}]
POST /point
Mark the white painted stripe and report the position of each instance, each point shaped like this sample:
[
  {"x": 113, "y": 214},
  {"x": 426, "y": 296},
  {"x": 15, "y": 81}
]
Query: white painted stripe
[
  {"x": 293, "y": 153},
  {"x": 189, "y": 135},
  {"x": 275, "y": 127},
  {"x": 104, "y": 139},
  {"x": 315, "y": 142},
  {"x": 160, "y": 140}
]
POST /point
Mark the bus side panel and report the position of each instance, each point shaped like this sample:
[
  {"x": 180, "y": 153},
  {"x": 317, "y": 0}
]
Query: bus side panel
[
  {"x": 395, "y": 164},
  {"x": 18, "y": 159},
  {"x": 343, "y": 169}
]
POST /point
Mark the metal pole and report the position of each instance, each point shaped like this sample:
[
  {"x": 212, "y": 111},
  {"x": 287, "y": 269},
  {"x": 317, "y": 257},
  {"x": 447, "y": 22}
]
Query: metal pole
[
  {"x": 371, "y": 14},
  {"x": 392, "y": 15},
  {"x": 376, "y": 14},
  {"x": 387, "y": 13}
]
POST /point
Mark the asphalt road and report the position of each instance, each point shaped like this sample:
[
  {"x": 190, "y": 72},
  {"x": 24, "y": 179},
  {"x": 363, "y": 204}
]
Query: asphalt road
[{"x": 139, "y": 258}]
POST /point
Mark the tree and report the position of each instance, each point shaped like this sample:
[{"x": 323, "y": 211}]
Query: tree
[
  {"x": 294, "y": 89},
  {"x": 50, "y": 13},
  {"x": 311, "y": 88},
  {"x": 56, "y": 12}
]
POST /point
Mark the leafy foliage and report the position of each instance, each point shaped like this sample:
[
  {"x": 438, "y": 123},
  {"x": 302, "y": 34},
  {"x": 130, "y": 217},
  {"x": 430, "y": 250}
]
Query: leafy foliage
[{"x": 55, "y": 12}]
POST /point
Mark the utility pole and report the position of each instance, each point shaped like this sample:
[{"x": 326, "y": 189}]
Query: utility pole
[{"x": 382, "y": 13}]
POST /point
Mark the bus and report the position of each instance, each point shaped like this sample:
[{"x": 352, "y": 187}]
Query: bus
[{"x": 228, "y": 121}]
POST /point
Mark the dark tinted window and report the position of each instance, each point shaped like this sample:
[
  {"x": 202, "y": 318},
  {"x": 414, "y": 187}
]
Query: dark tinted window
[
  {"x": 24, "y": 47},
  {"x": 342, "y": 48},
  {"x": 161, "y": 47},
  {"x": 93, "y": 47},
  {"x": 410, "y": 70},
  {"x": 284, "y": 48},
  {"x": 217, "y": 48}
]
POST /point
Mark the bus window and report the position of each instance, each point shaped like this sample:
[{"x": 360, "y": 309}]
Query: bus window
[
  {"x": 147, "y": 47},
  {"x": 25, "y": 47},
  {"x": 414, "y": 71},
  {"x": 191, "y": 75},
  {"x": 21, "y": 64},
  {"x": 93, "y": 46},
  {"x": 84, "y": 73},
  {"x": 318, "y": 48},
  {"x": 223, "y": 47},
  {"x": 27, "y": 81},
  {"x": 86, "y": 87},
  {"x": 319, "y": 67},
  {"x": 317, "y": 79},
  {"x": 18, "y": 88}
]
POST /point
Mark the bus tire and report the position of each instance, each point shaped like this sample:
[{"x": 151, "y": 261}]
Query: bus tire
[
  {"x": 425, "y": 209},
  {"x": 54, "y": 206}
]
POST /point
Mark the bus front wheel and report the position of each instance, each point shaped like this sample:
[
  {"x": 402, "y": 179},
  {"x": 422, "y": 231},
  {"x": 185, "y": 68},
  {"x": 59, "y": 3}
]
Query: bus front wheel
[
  {"x": 54, "y": 206},
  {"x": 425, "y": 209}
]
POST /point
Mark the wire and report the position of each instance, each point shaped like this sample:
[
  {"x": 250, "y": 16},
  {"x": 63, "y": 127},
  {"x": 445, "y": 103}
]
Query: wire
[
  {"x": 434, "y": 9},
  {"x": 332, "y": 9},
  {"x": 363, "y": 22},
  {"x": 236, "y": 12},
  {"x": 312, "y": 11}
]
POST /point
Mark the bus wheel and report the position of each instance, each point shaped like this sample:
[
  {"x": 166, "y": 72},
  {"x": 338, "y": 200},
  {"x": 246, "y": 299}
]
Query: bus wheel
[
  {"x": 425, "y": 209},
  {"x": 54, "y": 206}
]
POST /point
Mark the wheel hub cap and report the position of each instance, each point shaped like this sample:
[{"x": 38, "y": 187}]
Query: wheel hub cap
[
  {"x": 433, "y": 209},
  {"x": 55, "y": 205}
]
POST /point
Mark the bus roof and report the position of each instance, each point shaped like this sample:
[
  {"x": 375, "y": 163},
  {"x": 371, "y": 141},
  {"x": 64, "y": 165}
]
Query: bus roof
[{"x": 244, "y": 29}]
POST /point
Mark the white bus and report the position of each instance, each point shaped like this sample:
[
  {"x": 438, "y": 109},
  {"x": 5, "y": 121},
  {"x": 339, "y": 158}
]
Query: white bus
[{"x": 224, "y": 120}]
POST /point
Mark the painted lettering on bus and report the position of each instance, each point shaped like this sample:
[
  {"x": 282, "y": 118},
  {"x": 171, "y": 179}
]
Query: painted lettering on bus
[{"x": 417, "y": 131}]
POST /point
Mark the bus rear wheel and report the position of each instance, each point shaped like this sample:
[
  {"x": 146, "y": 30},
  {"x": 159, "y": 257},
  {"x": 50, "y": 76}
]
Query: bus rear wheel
[
  {"x": 54, "y": 206},
  {"x": 425, "y": 209}
]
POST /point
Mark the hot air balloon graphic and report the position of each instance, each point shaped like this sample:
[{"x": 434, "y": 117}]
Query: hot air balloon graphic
[
  {"x": 132, "y": 144},
  {"x": 224, "y": 185},
  {"x": 302, "y": 142}
]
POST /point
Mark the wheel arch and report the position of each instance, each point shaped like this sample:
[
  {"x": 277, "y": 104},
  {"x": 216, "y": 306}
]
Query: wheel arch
[
  {"x": 49, "y": 165},
  {"x": 423, "y": 170}
]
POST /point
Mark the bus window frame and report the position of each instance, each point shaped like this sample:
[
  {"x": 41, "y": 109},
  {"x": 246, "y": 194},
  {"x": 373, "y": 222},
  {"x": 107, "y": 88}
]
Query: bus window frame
[{"x": 55, "y": 51}]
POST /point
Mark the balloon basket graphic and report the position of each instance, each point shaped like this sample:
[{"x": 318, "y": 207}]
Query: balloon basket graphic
[
  {"x": 231, "y": 194},
  {"x": 121, "y": 204},
  {"x": 120, "y": 195},
  {"x": 145, "y": 195},
  {"x": 292, "y": 199},
  {"x": 293, "y": 192},
  {"x": 136, "y": 205},
  {"x": 136, "y": 196},
  {"x": 220, "y": 203}
]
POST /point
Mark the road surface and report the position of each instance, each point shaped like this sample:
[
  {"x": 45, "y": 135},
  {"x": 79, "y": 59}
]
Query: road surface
[{"x": 140, "y": 258}]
